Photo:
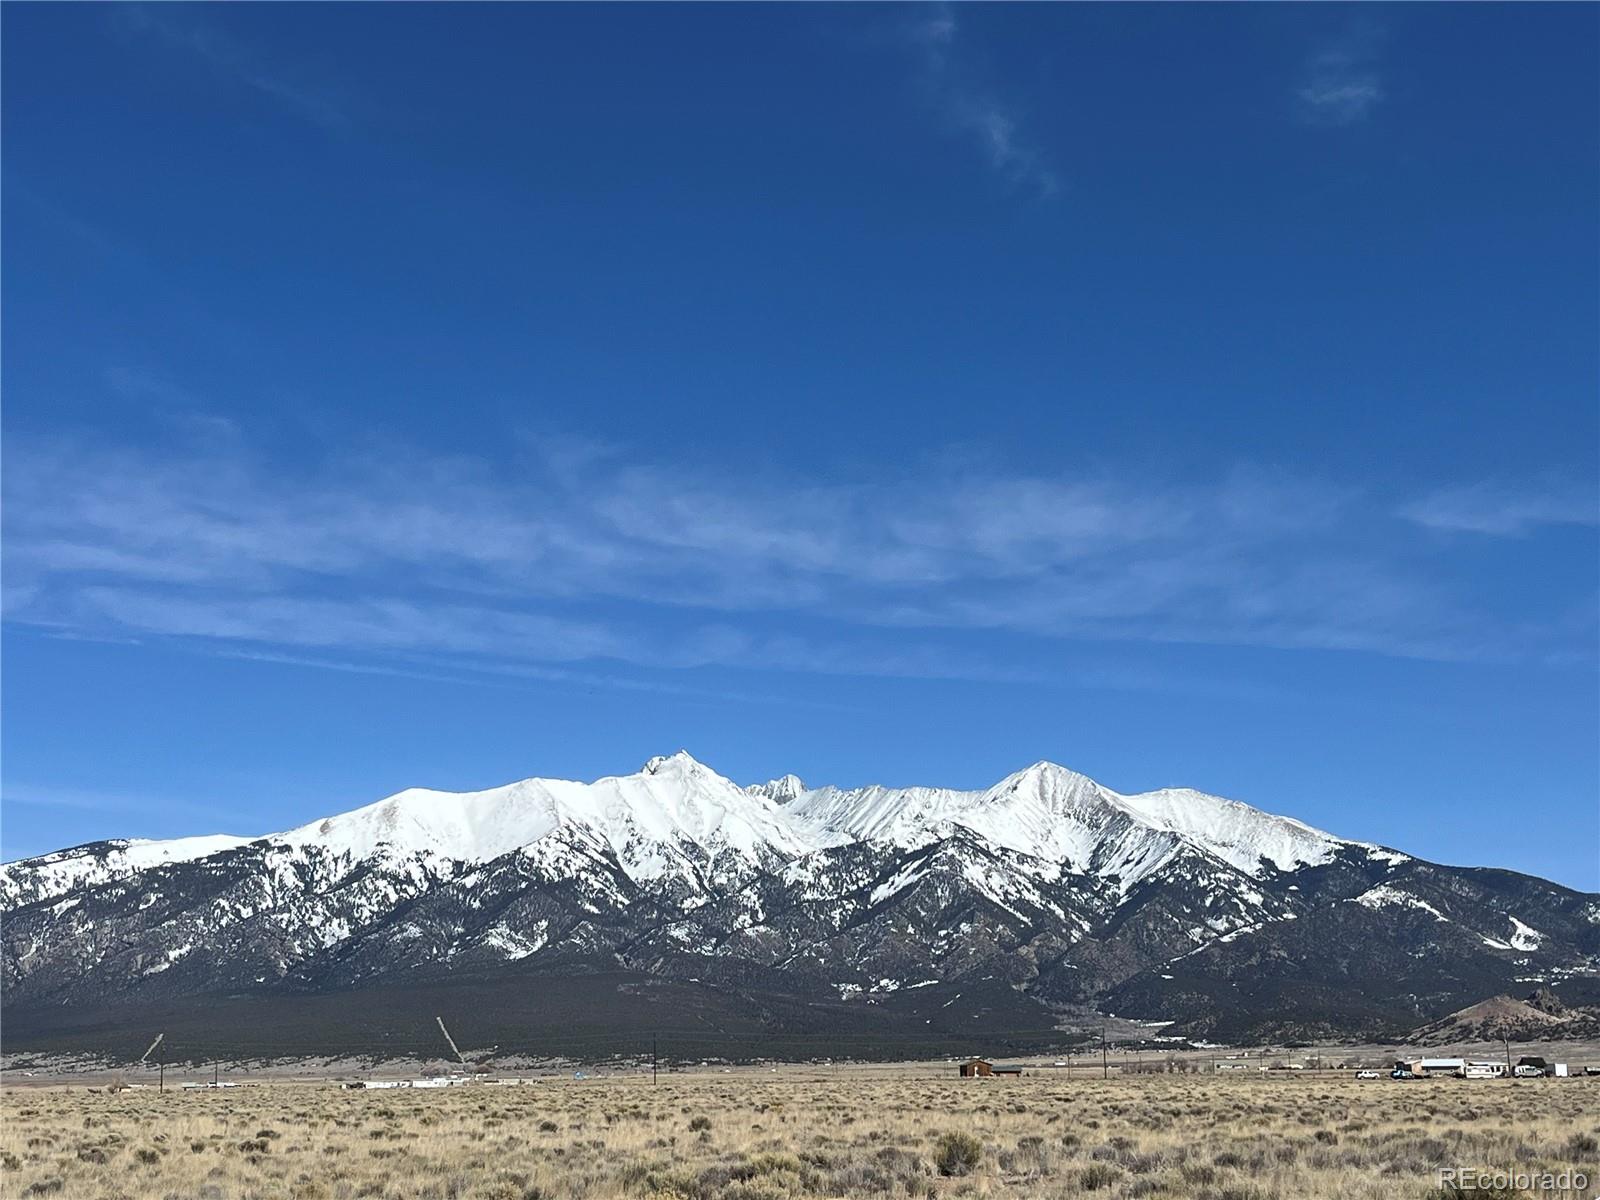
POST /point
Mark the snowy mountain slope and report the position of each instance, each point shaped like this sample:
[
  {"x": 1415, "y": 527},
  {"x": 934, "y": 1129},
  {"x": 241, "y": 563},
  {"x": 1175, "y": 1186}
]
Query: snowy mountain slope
[
  {"x": 31, "y": 880},
  {"x": 1058, "y": 815},
  {"x": 1236, "y": 833},
  {"x": 1045, "y": 811},
  {"x": 672, "y": 803},
  {"x": 1048, "y": 880}
]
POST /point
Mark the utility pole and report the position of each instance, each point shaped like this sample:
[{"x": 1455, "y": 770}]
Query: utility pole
[
  {"x": 1505, "y": 1040},
  {"x": 652, "y": 1060},
  {"x": 161, "y": 1079},
  {"x": 451, "y": 1040},
  {"x": 216, "y": 1072},
  {"x": 149, "y": 1050},
  {"x": 1105, "y": 1065}
]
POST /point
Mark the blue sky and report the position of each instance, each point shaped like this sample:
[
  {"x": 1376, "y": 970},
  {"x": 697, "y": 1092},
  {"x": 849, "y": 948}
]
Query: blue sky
[{"x": 413, "y": 395}]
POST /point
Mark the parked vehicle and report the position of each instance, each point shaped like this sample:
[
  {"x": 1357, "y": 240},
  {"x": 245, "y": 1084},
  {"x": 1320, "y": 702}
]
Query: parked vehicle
[
  {"x": 1399, "y": 1074},
  {"x": 1528, "y": 1071},
  {"x": 1591, "y": 1070},
  {"x": 1367, "y": 1075}
]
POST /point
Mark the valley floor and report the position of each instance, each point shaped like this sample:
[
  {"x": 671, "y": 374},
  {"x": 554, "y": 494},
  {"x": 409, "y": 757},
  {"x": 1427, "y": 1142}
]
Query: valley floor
[{"x": 799, "y": 1135}]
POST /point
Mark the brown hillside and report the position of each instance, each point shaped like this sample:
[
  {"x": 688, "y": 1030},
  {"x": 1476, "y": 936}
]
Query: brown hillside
[{"x": 1506, "y": 1016}]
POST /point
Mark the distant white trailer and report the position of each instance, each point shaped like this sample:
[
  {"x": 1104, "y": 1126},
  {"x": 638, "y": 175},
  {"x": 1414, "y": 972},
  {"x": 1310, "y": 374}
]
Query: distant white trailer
[
  {"x": 1559, "y": 1070},
  {"x": 1442, "y": 1066}
]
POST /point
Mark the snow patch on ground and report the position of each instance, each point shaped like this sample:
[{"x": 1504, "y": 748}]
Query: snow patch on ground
[
  {"x": 517, "y": 945},
  {"x": 1384, "y": 896},
  {"x": 1526, "y": 937}
]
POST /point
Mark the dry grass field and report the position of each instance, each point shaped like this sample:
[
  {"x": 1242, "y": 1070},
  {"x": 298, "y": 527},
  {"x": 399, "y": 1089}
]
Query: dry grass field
[{"x": 797, "y": 1136}]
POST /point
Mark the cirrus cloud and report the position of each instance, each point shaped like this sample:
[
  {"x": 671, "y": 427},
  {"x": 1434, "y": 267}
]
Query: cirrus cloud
[{"x": 572, "y": 552}]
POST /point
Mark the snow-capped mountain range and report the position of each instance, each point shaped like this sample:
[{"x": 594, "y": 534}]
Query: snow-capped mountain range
[
  {"x": 1156, "y": 903},
  {"x": 675, "y": 812}
]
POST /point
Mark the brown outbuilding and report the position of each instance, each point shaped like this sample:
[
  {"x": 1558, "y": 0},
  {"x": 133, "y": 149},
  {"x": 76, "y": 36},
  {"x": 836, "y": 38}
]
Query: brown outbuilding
[{"x": 982, "y": 1068}]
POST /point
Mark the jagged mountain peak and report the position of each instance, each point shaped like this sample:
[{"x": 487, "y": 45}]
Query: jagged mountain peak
[
  {"x": 1233, "y": 831},
  {"x": 680, "y": 762},
  {"x": 673, "y": 800},
  {"x": 781, "y": 790},
  {"x": 1051, "y": 774},
  {"x": 1054, "y": 789},
  {"x": 1059, "y": 815}
]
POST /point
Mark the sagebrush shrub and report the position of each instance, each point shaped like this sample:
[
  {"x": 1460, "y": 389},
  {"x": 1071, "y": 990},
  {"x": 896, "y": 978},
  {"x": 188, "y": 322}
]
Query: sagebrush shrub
[{"x": 957, "y": 1153}]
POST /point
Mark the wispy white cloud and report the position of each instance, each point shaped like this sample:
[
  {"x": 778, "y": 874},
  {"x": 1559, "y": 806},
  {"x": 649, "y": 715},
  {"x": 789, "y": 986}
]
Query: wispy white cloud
[
  {"x": 186, "y": 28},
  {"x": 577, "y": 553},
  {"x": 47, "y": 796},
  {"x": 1499, "y": 509},
  {"x": 972, "y": 109},
  {"x": 501, "y": 673},
  {"x": 164, "y": 400},
  {"x": 1341, "y": 83}
]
